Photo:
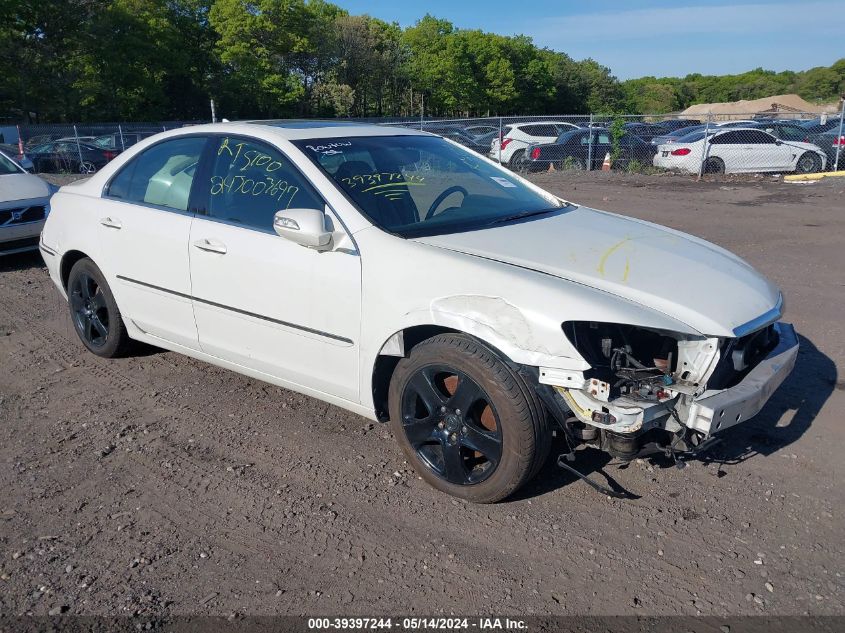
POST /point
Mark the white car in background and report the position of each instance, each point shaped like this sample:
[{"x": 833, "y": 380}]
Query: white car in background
[
  {"x": 738, "y": 150},
  {"x": 408, "y": 279},
  {"x": 24, "y": 205},
  {"x": 516, "y": 137}
]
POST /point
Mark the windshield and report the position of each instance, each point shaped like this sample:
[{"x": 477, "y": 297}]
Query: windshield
[
  {"x": 423, "y": 185},
  {"x": 7, "y": 166}
]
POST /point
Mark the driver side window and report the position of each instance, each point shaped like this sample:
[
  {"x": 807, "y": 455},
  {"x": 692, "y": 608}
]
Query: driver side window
[{"x": 250, "y": 181}]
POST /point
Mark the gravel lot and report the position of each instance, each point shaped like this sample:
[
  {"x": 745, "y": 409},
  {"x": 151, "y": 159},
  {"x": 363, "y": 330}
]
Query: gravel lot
[{"x": 158, "y": 485}]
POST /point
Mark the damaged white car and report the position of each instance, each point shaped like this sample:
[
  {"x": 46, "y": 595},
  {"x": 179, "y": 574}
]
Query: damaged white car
[{"x": 402, "y": 277}]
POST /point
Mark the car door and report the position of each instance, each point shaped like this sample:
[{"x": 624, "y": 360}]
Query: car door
[
  {"x": 260, "y": 300},
  {"x": 732, "y": 149},
  {"x": 144, "y": 226},
  {"x": 766, "y": 153}
]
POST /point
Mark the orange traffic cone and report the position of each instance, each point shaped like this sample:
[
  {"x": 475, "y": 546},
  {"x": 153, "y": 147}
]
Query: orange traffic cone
[{"x": 605, "y": 166}]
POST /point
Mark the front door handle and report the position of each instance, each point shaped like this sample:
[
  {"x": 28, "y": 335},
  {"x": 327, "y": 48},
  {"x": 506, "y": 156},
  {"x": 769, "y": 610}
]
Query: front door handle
[
  {"x": 212, "y": 246},
  {"x": 111, "y": 223}
]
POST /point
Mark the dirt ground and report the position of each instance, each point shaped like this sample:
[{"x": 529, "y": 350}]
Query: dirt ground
[{"x": 158, "y": 485}]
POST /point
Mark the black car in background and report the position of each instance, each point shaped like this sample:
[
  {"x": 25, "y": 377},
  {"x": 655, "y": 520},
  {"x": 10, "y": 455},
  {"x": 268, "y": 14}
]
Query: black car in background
[
  {"x": 676, "y": 124},
  {"x": 459, "y": 135},
  {"x": 574, "y": 150},
  {"x": 646, "y": 131},
  {"x": 68, "y": 156},
  {"x": 817, "y": 127},
  {"x": 116, "y": 140}
]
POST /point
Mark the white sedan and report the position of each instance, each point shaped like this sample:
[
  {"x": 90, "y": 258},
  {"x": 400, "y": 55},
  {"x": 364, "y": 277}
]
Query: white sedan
[
  {"x": 407, "y": 279},
  {"x": 733, "y": 151}
]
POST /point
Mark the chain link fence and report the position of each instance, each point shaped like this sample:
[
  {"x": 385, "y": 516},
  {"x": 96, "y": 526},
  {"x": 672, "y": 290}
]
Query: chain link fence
[
  {"x": 724, "y": 143},
  {"x": 80, "y": 149}
]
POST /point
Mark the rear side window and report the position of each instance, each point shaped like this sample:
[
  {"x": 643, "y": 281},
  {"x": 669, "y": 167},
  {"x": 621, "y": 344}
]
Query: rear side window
[
  {"x": 728, "y": 138},
  {"x": 162, "y": 175},
  {"x": 756, "y": 137},
  {"x": 250, "y": 181}
]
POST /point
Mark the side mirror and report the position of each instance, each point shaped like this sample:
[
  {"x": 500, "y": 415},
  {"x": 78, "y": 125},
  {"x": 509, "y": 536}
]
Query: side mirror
[
  {"x": 778, "y": 142},
  {"x": 306, "y": 227}
]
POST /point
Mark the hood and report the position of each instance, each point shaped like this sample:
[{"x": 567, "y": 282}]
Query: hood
[
  {"x": 22, "y": 187},
  {"x": 689, "y": 279}
]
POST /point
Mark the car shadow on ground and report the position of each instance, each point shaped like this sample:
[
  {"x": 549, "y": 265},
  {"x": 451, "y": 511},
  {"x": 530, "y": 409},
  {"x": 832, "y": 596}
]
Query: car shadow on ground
[
  {"x": 21, "y": 261},
  {"x": 784, "y": 419}
]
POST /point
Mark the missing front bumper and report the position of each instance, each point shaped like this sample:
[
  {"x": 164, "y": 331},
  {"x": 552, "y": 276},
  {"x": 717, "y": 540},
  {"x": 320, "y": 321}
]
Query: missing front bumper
[
  {"x": 707, "y": 413},
  {"x": 715, "y": 411}
]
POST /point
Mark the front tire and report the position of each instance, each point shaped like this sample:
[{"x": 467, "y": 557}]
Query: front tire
[
  {"x": 808, "y": 163},
  {"x": 468, "y": 422},
  {"x": 94, "y": 312}
]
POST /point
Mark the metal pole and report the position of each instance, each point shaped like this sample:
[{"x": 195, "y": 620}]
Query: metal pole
[
  {"x": 213, "y": 112},
  {"x": 839, "y": 138},
  {"x": 500, "y": 140},
  {"x": 78, "y": 147},
  {"x": 706, "y": 149},
  {"x": 122, "y": 144},
  {"x": 422, "y": 109},
  {"x": 590, "y": 146},
  {"x": 20, "y": 142}
]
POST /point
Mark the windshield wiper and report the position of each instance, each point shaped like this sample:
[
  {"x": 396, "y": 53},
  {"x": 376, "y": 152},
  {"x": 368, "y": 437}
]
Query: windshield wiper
[{"x": 520, "y": 216}]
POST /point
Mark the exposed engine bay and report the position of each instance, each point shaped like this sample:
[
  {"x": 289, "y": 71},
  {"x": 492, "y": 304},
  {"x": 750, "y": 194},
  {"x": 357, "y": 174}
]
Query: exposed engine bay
[{"x": 639, "y": 395}]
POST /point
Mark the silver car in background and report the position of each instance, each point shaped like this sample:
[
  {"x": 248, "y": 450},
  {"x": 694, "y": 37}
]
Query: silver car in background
[{"x": 24, "y": 205}]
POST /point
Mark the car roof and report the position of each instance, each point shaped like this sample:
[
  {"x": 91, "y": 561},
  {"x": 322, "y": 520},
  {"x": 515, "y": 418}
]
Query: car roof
[{"x": 310, "y": 128}]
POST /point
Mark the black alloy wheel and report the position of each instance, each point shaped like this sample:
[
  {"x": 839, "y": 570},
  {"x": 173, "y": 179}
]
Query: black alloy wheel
[
  {"x": 451, "y": 424},
  {"x": 467, "y": 419},
  {"x": 94, "y": 312},
  {"x": 90, "y": 313}
]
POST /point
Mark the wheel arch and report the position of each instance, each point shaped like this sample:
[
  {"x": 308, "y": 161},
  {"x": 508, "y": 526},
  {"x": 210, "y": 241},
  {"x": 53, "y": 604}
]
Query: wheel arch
[
  {"x": 68, "y": 260},
  {"x": 399, "y": 346}
]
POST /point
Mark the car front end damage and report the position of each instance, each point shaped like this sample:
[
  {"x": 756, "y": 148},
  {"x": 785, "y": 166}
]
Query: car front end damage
[{"x": 652, "y": 391}]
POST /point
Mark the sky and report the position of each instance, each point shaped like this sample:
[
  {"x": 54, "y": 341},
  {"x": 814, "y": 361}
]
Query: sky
[{"x": 651, "y": 37}]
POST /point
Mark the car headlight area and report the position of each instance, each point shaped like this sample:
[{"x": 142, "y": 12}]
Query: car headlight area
[{"x": 650, "y": 390}]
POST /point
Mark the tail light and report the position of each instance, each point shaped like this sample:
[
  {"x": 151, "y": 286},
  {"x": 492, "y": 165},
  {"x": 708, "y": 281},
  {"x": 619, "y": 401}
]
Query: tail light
[
  {"x": 109, "y": 155},
  {"x": 505, "y": 142},
  {"x": 838, "y": 140},
  {"x": 535, "y": 153},
  {"x": 681, "y": 151}
]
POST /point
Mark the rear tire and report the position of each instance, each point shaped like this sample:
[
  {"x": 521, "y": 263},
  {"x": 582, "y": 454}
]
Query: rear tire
[
  {"x": 94, "y": 312},
  {"x": 467, "y": 421},
  {"x": 517, "y": 162},
  {"x": 87, "y": 167},
  {"x": 714, "y": 166},
  {"x": 808, "y": 163}
]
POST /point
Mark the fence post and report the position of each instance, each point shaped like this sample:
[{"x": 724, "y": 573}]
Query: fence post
[
  {"x": 839, "y": 138},
  {"x": 163, "y": 128},
  {"x": 20, "y": 142},
  {"x": 590, "y": 146},
  {"x": 706, "y": 148},
  {"x": 500, "y": 140},
  {"x": 422, "y": 109},
  {"x": 78, "y": 148},
  {"x": 122, "y": 144}
]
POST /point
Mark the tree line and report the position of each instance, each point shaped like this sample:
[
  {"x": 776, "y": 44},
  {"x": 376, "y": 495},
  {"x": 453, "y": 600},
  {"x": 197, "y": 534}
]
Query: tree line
[{"x": 98, "y": 60}]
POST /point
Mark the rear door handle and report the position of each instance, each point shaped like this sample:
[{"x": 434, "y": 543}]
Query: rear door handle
[
  {"x": 111, "y": 223},
  {"x": 212, "y": 246}
]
